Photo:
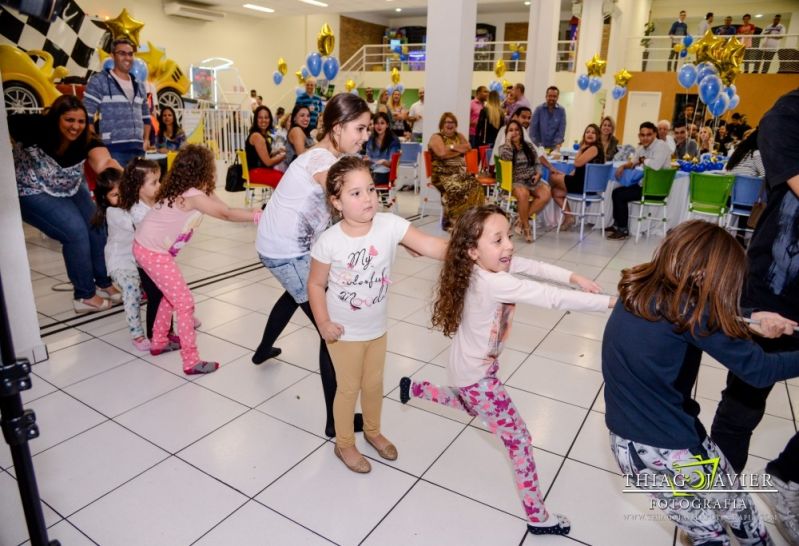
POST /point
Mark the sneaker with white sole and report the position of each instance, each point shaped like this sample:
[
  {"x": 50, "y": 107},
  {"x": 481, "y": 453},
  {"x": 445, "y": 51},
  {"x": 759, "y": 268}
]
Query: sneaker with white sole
[{"x": 785, "y": 506}]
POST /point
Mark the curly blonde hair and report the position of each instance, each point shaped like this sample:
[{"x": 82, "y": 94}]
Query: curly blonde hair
[
  {"x": 193, "y": 168},
  {"x": 453, "y": 281}
]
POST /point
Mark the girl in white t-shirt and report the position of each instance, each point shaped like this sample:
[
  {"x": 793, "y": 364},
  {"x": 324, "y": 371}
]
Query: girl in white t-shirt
[
  {"x": 477, "y": 295},
  {"x": 352, "y": 260},
  {"x": 294, "y": 217}
]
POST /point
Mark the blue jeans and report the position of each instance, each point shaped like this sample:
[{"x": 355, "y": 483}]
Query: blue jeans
[
  {"x": 66, "y": 219},
  {"x": 291, "y": 273},
  {"x": 125, "y": 154}
]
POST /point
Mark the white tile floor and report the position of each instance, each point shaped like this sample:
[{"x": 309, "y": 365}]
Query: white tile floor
[{"x": 133, "y": 452}]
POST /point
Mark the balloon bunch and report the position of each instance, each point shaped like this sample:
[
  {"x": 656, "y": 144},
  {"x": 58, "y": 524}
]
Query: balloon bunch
[
  {"x": 395, "y": 80},
  {"x": 282, "y": 69},
  {"x": 516, "y": 51},
  {"x": 401, "y": 51},
  {"x": 622, "y": 78},
  {"x": 718, "y": 62},
  {"x": 497, "y": 85},
  {"x": 683, "y": 47},
  {"x": 698, "y": 165},
  {"x": 315, "y": 62},
  {"x": 593, "y": 80},
  {"x": 138, "y": 69}
]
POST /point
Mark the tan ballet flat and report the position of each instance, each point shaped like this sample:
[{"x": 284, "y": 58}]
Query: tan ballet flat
[
  {"x": 389, "y": 452},
  {"x": 362, "y": 466}
]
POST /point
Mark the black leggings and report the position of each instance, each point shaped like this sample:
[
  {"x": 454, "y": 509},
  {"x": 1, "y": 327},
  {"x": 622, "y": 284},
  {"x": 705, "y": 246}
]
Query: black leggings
[
  {"x": 154, "y": 296},
  {"x": 278, "y": 319}
]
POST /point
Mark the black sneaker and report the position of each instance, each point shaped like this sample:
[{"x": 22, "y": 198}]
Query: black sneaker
[
  {"x": 562, "y": 527},
  {"x": 405, "y": 389},
  {"x": 618, "y": 235}
]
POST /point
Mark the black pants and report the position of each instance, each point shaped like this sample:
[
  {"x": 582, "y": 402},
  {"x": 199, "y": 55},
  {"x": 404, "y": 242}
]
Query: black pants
[
  {"x": 741, "y": 408},
  {"x": 278, "y": 320},
  {"x": 621, "y": 197},
  {"x": 672, "y": 66},
  {"x": 154, "y": 296},
  {"x": 766, "y": 56}
]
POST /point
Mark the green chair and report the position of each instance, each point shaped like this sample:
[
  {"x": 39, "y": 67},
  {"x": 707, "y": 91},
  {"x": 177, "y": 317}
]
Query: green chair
[
  {"x": 656, "y": 187},
  {"x": 709, "y": 195}
]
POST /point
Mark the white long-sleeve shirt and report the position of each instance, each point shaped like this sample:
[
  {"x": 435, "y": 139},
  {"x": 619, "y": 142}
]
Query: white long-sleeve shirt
[
  {"x": 488, "y": 311},
  {"x": 119, "y": 245}
]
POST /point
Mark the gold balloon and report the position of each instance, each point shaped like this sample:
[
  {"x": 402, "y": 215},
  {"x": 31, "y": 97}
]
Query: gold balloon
[
  {"x": 404, "y": 50},
  {"x": 596, "y": 66},
  {"x": 517, "y": 47},
  {"x": 499, "y": 68},
  {"x": 325, "y": 41},
  {"x": 506, "y": 84},
  {"x": 300, "y": 77},
  {"x": 349, "y": 85},
  {"x": 678, "y": 47},
  {"x": 124, "y": 26},
  {"x": 282, "y": 67},
  {"x": 622, "y": 77},
  {"x": 395, "y": 76},
  {"x": 706, "y": 46}
]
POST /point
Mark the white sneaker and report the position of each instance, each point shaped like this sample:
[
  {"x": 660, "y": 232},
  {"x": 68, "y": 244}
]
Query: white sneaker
[{"x": 785, "y": 506}]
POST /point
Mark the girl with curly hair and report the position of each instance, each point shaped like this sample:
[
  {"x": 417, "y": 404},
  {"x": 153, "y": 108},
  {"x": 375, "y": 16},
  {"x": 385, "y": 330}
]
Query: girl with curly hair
[
  {"x": 476, "y": 296},
  {"x": 185, "y": 195}
]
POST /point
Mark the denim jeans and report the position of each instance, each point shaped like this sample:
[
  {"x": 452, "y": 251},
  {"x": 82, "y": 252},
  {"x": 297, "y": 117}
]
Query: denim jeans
[
  {"x": 66, "y": 219},
  {"x": 291, "y": 273}
]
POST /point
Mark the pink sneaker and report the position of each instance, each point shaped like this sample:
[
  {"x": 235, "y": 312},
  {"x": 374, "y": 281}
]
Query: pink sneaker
[
  {"x": 169, "y": 347},
  {"x": 142, "y": 344},
  {"x": 202, "y": 367}
]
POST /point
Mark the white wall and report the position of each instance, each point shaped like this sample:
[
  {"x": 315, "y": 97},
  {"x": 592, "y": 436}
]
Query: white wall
[{"x": 254, "y": 43}]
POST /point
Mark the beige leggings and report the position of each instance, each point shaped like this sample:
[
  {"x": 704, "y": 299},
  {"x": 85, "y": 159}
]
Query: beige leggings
[{"x": 359, "y": 369}]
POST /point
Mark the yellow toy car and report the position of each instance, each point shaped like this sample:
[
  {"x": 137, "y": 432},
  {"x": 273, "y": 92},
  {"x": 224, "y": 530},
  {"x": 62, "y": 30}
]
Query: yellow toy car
[
  {"x": 27, "y": 85},
  {"x": 170, "y": 81}
]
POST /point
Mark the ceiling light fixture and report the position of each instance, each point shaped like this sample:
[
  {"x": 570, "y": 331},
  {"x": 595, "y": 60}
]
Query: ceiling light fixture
[
  {"x": 398, "y": 10},
  {"x": 527, "y": 3},
  {"x": 256, "y": 7},
  {"x": 314, "y": 3},
  {"x": 758, "y": 15}
]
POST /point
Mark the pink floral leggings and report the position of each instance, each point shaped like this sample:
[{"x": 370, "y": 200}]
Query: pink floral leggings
[
  {"x": 489, "y": 400},
  {"x": 166, "y": 275}
]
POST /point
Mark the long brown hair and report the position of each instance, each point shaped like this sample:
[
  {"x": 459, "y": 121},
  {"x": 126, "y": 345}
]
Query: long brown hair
[
  {"x": 453, "y": 281},
  {"x": 341, "y": 109},
  {"x": 133, "y": 179},
  {"x": 694, "y": 281},
  {"x": 193, "y": 168}
]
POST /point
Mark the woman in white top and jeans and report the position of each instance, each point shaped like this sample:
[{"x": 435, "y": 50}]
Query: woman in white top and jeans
[{"x": 294, "y": 217}]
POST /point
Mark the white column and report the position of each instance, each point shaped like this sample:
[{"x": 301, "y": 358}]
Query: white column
[
  {"x": 792, "y": 28},
  {"x": 449, "y": 65},
  {"x": 542, "y": 38},
  {"x": 616, "y": 55},
  {"x": 14, "y": 267},
  {"x": 584, "y": 109}
]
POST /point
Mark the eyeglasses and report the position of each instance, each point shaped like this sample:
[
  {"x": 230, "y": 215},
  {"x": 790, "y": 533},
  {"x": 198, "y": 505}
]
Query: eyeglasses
[{"x": 124, "y": 53}]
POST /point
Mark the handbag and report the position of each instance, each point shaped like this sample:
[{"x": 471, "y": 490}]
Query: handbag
[
  {"x": 757, "y": 208},
  {"x": 234, "y": 180}
]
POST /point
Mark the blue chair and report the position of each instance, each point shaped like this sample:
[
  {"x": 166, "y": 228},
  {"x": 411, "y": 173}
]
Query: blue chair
[
  {"x": 745, "y": 193},
  {"x": 409, "y": 157},
  {"x": 597, "y": 177}
]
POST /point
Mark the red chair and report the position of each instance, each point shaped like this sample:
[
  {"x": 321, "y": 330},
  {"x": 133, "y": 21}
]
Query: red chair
[
  {"x": 486, "y": 181},
  {"x": 385, "y": 192},
  {"x": 471, "y": 162}
]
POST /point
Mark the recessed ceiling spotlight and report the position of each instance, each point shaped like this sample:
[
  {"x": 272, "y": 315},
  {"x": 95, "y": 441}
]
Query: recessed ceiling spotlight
[
  {"x": 527, "y": 3},
  {"x": 256, "y": 7},
  {"x": 758, "y": 15},
  {"x": 315, "y": 3},
  {"x": 398, "y": 10}
]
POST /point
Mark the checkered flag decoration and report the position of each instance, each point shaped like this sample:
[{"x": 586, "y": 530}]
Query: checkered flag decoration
[{"x": 71, "y": 39}]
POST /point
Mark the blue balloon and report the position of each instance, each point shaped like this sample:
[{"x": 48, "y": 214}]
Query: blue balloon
[
  {"x": 389, "y": 90},
  {"x": 734, "y": 102},
  {"x": 305, "y": 73},
  {"x": 108, "y": 64},
  {"x": 576, "y": 146},
  {"x": 595, "y": 84},
  {"x": 139, "y": 70},
  {"x": 397, "y": 48},
  {"x": 731, "y": 90},
  {"x": 688, "y": 40},
  {"x": 704, "y": 73},
  {"x": 683, "y": 53},
  {"x": 495, "y": 86},
  {"x": 277, "y": 77},
  {"x": 403, "y": 57},
  {"x": 330, "y": 68},
  {"x": 709, "y": 89},
  {"x": 299, "y": 91},
  {"x": 583, "y": 81},
  {"x": 515, "y": 56},
  {"x": 719, "y": 105},
  {"x": 687, "y": 75},
  {"x": 400, "y": 88},
  {"x": 314, "y": 63},
  {"x": 618, "y": 92}
]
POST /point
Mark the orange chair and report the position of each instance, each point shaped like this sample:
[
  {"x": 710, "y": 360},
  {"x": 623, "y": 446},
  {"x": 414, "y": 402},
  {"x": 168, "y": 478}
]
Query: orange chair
[
  {"x": 472, "y": 167},
  {"x": 471, "y": 162},
  {"x": 385, "y": 192}
]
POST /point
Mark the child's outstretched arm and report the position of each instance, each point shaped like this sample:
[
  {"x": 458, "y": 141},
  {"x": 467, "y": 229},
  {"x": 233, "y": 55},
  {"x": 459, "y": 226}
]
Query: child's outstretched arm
[
  {"x": 423, "y": 244},
  {"x": 317, "y": 282},
  {"x": 553, "y": 273},
  {"x": 214, "y": 206}
]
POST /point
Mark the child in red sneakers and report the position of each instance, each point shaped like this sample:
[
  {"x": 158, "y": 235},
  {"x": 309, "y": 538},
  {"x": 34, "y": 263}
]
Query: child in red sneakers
[{"x": 185, "y": 195}]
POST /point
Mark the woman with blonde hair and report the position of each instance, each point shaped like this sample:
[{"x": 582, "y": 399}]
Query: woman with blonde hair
[
  {"x": 706, "y": 142},
  {"x": 459, "y": 190},
  {"x": 399, "y": 114},
  {"x": 610, "y": 144},
  {"x": 490, "y": 121}
]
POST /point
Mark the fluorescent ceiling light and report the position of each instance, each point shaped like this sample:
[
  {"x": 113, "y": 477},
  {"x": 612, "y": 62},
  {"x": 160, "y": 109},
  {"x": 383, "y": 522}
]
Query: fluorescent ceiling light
[
  {"x": 758, "y": 15},
  {"x": 527, "y": 3},
  {"x": 397, "y": 9},
  {"x": 315, "y": 3},
  {"x": 256, "y": 7}
]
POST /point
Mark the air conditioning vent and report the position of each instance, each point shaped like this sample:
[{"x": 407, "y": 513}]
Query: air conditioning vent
[{"x": 192, "y": 11}]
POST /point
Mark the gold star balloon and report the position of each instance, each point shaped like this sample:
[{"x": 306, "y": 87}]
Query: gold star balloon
[
  {"x": 706, "y": 46},
  {"x": 325, "y": 41},
  {"x": 596, "y": 66},
  {"x": 282, "y": 67},
  {"x": 499, "y": 68},
  {"x": 349, "y": 85},
  {"x": 124, "y": 26},
  {"x": 300, "y": 77},
  {"x": 622, "y": 77},
  {"x": 395, "y": 75}
]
